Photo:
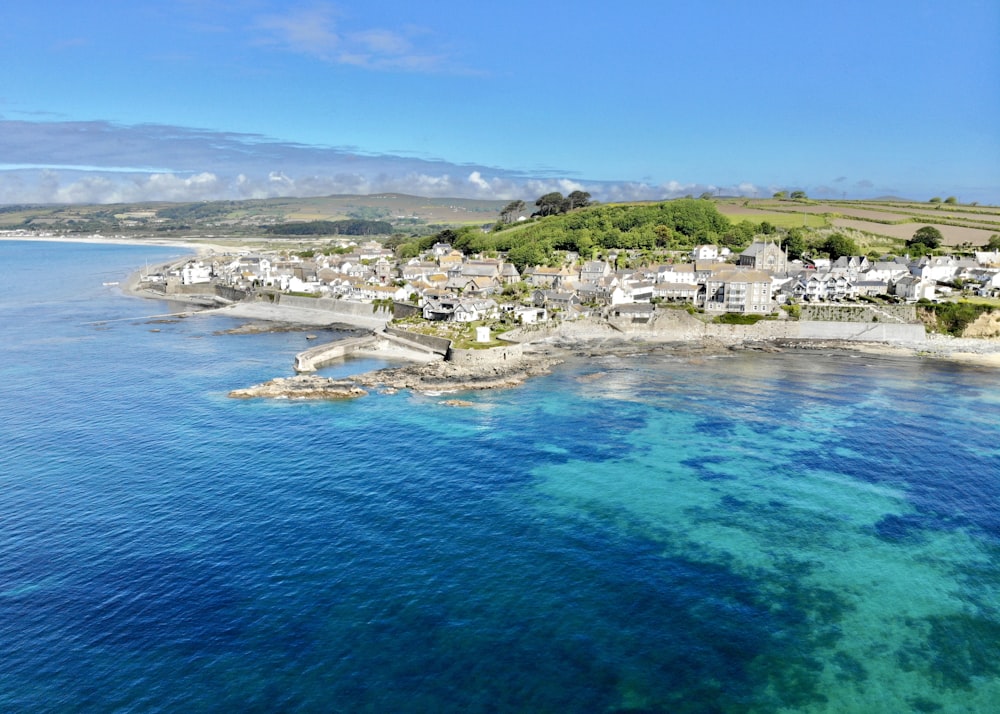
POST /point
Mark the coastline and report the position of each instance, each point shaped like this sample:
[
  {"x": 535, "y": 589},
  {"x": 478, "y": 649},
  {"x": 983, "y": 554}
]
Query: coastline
[
  {"x": 199, "y": 247},
  {"x": 542, "y": 353}
]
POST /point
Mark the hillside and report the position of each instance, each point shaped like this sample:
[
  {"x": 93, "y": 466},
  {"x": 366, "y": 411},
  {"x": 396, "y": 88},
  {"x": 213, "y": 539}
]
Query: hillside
[{"x": 409, "y": 214}]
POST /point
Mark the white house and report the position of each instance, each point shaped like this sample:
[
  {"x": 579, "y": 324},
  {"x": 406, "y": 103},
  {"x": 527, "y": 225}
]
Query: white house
[
  {"x": 705, "y": 252},
  {"x": 195, "y": 272}
]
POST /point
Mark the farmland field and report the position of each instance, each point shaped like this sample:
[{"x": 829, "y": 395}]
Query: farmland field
[
  {"x": 953, "y": 235},
  {"x": 783, "y": 219},
  {"x": 894, "y": 219}
]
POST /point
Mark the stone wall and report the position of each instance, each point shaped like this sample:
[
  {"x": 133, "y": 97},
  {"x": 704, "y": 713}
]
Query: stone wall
[
  {"x": 862, "y": 332},
  {"x": 436, "y": 344},
  {"x": 344, "y": 308},
  {"x": 312, "y": 359},
  {"x": 762, "y": 330},
  {"x": 491, "y": 356},
  {"x": 229, "y": 293},
  {"x": 860, "y": 313},
  {"x": 402, "y": 310},
  {"x": 176, "y": 288}
]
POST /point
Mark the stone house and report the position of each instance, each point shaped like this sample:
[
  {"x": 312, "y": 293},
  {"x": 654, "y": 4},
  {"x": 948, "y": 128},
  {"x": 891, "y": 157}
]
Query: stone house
[{"x": 764, "y": 255}]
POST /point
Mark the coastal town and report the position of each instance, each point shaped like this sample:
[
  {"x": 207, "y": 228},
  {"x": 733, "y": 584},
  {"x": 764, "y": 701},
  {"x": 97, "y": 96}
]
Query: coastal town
[
  {"x": 477, "y": 321},
  {"x": 447, "y": 285},
  {"x": 485, "y": 305},
  {"x": 444, "y": 284}
]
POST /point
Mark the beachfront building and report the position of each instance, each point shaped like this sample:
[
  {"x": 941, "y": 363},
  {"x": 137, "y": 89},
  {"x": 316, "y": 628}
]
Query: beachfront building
[{"x": 743, "y": 291}]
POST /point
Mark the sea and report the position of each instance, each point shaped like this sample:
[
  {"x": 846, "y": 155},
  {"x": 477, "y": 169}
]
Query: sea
[{"x": 657, "y": 532}]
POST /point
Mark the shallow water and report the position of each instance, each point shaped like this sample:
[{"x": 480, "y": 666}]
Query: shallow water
[{"x": 741, "y": 533}]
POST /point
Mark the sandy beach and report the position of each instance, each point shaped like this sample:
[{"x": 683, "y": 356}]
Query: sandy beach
[{"x": 198, "y": 247}]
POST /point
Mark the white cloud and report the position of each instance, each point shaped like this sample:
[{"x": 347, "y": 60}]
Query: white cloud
[{"x": 314, "y": 32}]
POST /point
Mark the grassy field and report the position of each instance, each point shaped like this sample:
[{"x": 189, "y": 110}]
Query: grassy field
[
  {"x": 781, "y": 219},
  {"x": 898, "y": 220}
]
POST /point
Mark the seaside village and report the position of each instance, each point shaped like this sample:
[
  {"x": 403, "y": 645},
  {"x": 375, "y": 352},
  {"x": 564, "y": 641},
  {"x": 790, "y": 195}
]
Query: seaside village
[{"x": 445, "y": 285}]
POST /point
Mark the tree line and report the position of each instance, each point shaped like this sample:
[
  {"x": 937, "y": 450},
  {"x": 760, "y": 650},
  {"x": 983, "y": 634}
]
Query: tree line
[{"x": 346, "y": 227}]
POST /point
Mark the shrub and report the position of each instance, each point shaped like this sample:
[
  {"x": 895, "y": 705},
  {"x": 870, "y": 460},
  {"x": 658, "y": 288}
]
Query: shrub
[{"x": 737, "y": 318}]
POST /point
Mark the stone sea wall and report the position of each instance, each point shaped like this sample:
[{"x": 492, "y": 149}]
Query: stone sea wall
[
  {"x": 337, "y": 307},
  {"x": 859, "y": 313},
  {"x": 486, "y": 357}
]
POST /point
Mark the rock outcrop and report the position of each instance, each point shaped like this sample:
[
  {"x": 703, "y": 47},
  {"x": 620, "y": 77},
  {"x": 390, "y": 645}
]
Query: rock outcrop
[
  {"x": 448, "y": 376},
  {"x": 301, "y": 387}
]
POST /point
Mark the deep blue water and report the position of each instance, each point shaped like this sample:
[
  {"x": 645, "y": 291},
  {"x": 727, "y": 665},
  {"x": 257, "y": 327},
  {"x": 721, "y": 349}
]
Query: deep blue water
[{"x": 745, "y": 533}]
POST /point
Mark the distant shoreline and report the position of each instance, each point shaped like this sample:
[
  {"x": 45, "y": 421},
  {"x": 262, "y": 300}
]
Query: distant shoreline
[{"x": 197, "y": 246}]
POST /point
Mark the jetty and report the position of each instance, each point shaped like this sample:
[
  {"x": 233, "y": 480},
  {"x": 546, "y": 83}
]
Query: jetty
[{"x": 321, "y": 355}]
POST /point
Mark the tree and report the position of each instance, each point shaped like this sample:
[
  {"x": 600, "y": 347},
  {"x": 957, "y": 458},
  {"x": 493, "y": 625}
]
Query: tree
[
  {"x": 550, "y": 204},
  {"x": 577, "y": 199},
  {"x": 798, "y": 194},
  {"x": 951, "y": 199},
  {"x": 512, "y": 210},
  {"x": 936, "y": 199},
  {"x": 994, "y": 242},
  {"x": 795, "y": 244},
  {"x": 928, "y": 235},
  {"x": 839, "y": 245},
  {"x": 705, "y": 196},
  {"x": 527, "y": 254},
  {"x": 780, "y": 195}
]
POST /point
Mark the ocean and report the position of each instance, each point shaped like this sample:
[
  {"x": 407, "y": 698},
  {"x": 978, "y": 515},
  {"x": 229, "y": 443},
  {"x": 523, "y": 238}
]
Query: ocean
[{"x": 747, "y": 532}]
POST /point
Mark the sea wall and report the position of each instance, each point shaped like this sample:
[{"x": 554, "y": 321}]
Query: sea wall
[
  {"x": 230, "y": 293},
  {"x": 763, "y": 330},
  {"x": 486, "y": 357},
  {"x": 339, "y": 307},
  {"x": 859, "y": 313},
  {"x": 352, "y": 313},
  {"x": 679, "y": 326},
  {"x": 862, "y": 332}
]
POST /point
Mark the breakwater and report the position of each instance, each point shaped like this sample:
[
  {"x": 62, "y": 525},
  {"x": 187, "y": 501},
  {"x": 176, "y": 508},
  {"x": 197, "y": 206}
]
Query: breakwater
[{"x": 312, "y": 359}]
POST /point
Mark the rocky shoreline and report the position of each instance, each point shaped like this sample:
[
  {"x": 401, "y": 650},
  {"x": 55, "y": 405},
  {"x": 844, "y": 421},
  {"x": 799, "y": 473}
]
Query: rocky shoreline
[
  {"x": 443, "y": 376},
  {"x": 439, "y": 377}
]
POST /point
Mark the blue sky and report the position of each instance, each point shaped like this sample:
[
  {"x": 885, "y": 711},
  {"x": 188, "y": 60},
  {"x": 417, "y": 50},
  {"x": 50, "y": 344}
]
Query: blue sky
[{"x": 189, "y": 100}]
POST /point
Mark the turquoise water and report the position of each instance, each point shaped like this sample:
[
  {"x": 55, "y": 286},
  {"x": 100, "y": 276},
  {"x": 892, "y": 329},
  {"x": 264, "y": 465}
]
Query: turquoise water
[{"x": 744, "y": 533}]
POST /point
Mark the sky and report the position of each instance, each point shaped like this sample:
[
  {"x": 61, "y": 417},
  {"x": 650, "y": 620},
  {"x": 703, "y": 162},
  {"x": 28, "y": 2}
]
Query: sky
[{"x": 184, "y": 100}]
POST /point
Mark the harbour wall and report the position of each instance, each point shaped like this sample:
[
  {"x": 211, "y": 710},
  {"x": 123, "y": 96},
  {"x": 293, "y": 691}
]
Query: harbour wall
[{"x": 322, "y": 355}]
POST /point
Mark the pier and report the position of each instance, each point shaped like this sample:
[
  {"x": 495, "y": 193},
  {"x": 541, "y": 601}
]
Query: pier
[{"x": 322, "y": 355}]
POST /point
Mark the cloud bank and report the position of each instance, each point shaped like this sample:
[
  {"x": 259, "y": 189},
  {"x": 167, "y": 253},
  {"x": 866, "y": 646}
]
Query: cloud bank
[{"x": 103, "y": 162}]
